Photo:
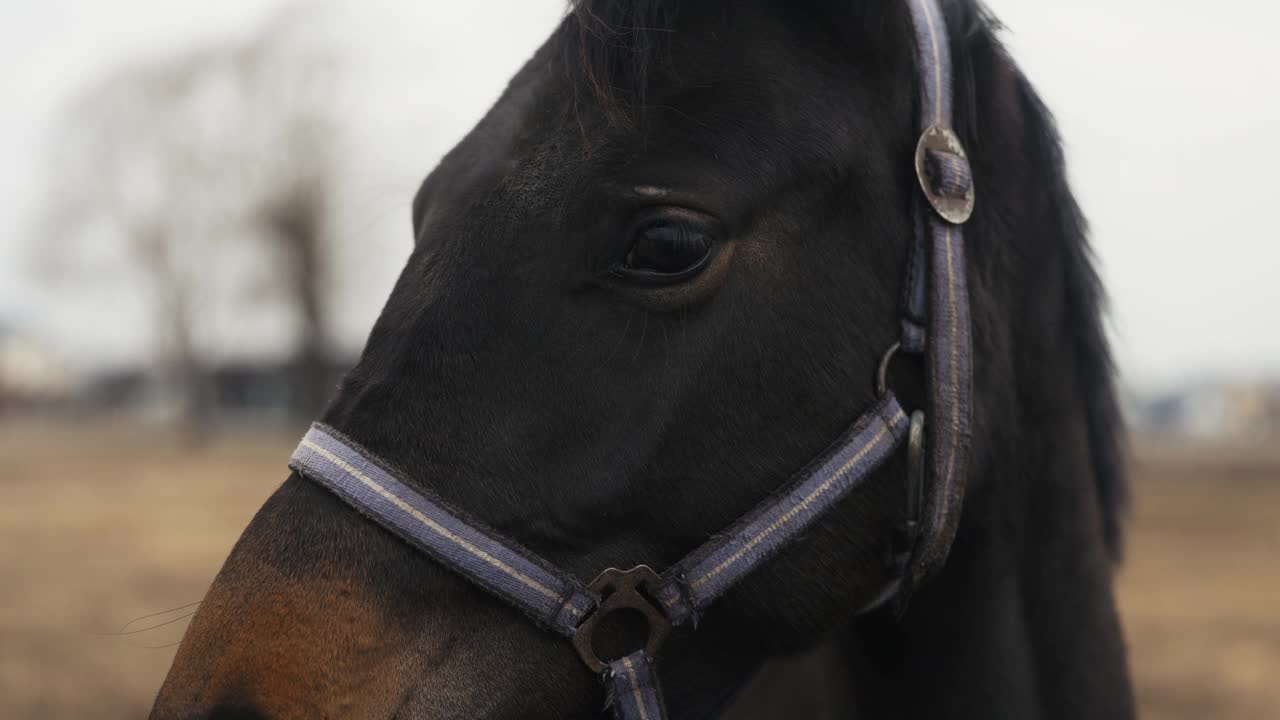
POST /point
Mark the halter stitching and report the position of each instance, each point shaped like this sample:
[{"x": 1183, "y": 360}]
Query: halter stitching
[
  {"x": 635, "y": 688},
  {"x": 937, "y": 63},
  {"x": 800, "y": 506},
  {"x": 436, "y": 527},
  {"x": 954, "y": 389}
]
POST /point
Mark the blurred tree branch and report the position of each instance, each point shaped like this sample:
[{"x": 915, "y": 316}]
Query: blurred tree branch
[{"x": 162, "y": 170}]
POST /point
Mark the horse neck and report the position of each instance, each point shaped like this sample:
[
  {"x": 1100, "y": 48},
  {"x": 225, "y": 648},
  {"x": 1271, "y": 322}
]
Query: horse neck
[{"x": 1020, "y": 623}]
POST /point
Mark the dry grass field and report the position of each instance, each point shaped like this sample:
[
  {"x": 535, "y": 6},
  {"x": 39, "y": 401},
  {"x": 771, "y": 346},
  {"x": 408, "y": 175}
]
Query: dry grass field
[{"x": 98, "y": 527}]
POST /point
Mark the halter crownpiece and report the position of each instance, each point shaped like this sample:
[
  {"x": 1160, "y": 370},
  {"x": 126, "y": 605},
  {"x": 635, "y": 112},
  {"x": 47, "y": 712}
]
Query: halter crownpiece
[{"x": 935, "y": 323}]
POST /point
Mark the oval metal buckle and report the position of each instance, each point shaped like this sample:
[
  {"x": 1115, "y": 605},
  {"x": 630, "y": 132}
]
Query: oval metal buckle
[
  {"x": 955, "y": 209},
  {"x": 620, "y": 590}
]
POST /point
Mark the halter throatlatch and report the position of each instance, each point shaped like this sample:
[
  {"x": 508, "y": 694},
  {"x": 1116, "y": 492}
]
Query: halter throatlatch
[{"x": 935, "y": 323}]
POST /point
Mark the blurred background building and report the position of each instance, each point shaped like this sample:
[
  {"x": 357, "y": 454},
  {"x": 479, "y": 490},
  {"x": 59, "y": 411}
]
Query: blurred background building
[{"x": 204, "y": 205}]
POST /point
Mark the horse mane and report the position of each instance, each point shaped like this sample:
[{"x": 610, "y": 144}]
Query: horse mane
[
  {"x": 1086, "y": 303},
  {"x": 612, "y": 47},
  {"x": 972, "y": 26}
]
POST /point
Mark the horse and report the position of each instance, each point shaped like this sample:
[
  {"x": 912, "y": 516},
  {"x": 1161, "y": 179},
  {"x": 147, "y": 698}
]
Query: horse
[{"x": 653, "y": 282}]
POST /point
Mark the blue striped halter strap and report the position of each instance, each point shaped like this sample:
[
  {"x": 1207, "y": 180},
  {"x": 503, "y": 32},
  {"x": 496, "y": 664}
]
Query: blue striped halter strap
[{"x": 935, "y": 324}]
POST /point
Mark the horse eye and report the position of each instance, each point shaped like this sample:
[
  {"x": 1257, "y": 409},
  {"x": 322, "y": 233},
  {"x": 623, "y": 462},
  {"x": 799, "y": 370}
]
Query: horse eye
[{"x": 667, "y": 251}]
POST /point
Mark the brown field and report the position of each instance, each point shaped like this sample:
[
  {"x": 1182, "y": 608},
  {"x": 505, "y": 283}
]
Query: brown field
[{"x": 98, "y": 527}]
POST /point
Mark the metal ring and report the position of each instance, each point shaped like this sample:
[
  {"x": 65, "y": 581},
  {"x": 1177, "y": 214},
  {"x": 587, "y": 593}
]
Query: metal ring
[
  {"x": 621, "y": 591},
  {"x": 882, "y": 374}
]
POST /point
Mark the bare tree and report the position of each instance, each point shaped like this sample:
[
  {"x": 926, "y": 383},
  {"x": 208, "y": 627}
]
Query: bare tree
[
  {"x": 135, "y": 186},
  {"x": 289, "y": 81},
  {"x": 173, "y": 164}
]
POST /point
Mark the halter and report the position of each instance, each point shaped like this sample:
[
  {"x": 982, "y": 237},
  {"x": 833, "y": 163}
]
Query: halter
[{"x": 935, "y": 324}]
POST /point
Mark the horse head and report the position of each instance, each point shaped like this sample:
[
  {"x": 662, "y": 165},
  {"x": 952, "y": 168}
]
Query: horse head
[{"x": 654, "y": 282}]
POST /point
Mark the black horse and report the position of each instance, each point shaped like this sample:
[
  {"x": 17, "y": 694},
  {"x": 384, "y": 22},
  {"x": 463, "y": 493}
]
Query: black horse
[{"x": 650, "y": 285}]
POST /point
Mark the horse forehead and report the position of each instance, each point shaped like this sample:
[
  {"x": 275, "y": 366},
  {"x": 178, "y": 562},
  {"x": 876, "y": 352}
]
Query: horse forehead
[
  {"x": 750, "y": 120},
  {"x": 700, "y": 86}
]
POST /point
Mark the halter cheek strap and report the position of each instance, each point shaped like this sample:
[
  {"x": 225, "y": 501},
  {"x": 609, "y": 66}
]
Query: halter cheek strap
[
  {"x": 947, "y": 188},
  {"x": 935, "y": 323}
]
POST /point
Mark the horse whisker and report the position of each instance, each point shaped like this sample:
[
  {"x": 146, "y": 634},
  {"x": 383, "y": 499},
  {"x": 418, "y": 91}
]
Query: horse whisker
[
  {"x": 124, "y": 629},
  {"x": 147, "y": 629}
]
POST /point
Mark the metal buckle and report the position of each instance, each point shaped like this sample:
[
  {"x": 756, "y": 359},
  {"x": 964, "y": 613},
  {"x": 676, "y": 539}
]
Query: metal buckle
[
  {"x": 620, "y": 590},
  {"x": 954, "y": 209},
  {"x": 901, "y": 551},
  {"x": 915, "y": 472},
  {"x": 908, "y": 536},
  {"x": 907, "y": 533}
]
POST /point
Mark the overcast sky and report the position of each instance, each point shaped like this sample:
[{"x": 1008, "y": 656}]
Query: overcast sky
[{"x": 1168, "y": 108}]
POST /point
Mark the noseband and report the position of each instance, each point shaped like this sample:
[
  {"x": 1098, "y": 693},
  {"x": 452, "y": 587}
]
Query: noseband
[{"x": 935, "y": 324}]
